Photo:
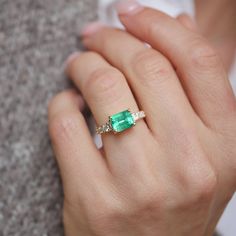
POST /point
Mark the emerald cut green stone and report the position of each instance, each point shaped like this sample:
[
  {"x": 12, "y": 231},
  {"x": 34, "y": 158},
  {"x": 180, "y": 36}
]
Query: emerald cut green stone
[{"x": 122, "y": 121}]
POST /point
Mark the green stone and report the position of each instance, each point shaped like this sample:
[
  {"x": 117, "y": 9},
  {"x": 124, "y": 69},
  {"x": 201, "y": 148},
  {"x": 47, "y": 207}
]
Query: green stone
[{"x": 122, "y": 121}]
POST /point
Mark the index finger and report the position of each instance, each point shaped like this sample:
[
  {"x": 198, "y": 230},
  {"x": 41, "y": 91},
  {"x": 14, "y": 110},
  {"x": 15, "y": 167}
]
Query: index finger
[{"x": 198, "y": 65}]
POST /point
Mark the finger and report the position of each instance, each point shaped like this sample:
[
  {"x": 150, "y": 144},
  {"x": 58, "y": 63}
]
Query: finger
[
  {"x": 151, "y": 77},
  {"x": 106, "y": 91},
  {"x": 79, "y": 160},
  {"x": 187, "y": 22},
  {"x": 198, "y": 65},
  {"x": 104, "y": 87}
]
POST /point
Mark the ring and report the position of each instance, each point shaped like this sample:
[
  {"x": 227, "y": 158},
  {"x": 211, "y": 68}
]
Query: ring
[{"x": 120, "y": 122}]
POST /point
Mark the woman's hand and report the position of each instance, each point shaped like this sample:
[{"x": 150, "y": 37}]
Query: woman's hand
[{"x": 171, "y": 174}]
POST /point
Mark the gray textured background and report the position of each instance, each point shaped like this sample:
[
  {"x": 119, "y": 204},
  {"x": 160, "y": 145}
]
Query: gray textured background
[{"x": 36, "y": 36}]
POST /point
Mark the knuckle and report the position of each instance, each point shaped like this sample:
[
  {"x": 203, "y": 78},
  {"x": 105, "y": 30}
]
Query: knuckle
[
  {"x": 203, "y": 56},
  {"x": 63, "y": 125},
  {"x": 104, "y": 83},
  {"x": 204, "y": 185},
  {"x": 151, "y": 67}
]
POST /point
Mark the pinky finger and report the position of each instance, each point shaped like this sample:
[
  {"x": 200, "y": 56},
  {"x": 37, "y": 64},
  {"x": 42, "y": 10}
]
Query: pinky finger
[{"x": 79, "y": 160}]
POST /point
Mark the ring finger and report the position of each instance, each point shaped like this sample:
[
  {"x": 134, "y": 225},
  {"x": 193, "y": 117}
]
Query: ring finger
[
  {"x": 107, "y": 92},
  {"x": 151, "y": 77}
]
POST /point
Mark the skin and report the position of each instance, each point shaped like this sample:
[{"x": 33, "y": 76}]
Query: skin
[
  {"x": 216, "y": 20},
  {"x": 175, "y": 171}
]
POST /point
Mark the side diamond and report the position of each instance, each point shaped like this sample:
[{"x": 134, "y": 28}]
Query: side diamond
[
  {"x": 138, "y": 115},
  {"x": 104, "y": 128}
]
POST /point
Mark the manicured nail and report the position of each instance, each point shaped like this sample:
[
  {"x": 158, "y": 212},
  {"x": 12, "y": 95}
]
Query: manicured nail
[
  {"x": 71, "y": 58},
  {"x": 92, "y": 28},
  {"x": 128, "y": 7}
]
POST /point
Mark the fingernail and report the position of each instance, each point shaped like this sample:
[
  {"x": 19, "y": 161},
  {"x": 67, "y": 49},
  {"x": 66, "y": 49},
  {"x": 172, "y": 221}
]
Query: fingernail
[
  {"x": 128, "y": 7},
  {"x": 92, "y": 28},
  {"x": 70, "y": 59}
]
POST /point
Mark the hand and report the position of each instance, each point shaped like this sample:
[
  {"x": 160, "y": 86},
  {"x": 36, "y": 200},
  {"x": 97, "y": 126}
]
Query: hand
[{"x": 173, "y": 173}]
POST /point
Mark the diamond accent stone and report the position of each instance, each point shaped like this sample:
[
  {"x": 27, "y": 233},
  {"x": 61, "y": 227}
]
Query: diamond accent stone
[
  {"x": 104, "y": 128},
  {"x": 138, "y": 115}
]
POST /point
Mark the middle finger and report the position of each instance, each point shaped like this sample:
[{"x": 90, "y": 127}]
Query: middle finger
[{"x": 150, "y": 75}]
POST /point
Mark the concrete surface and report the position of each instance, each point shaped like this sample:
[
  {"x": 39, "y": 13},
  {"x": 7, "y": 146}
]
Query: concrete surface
[{"x": 36, "y": 36}]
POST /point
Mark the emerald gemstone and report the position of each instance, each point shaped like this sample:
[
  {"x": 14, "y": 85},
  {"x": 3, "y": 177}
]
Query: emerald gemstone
[{"x": 122, "y": 121}]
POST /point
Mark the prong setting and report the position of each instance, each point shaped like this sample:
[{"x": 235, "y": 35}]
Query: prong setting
[{"x": 120, "y": 122}]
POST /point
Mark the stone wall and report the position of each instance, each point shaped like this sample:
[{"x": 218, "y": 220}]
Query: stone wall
[{"x": 36, "y": 36}]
